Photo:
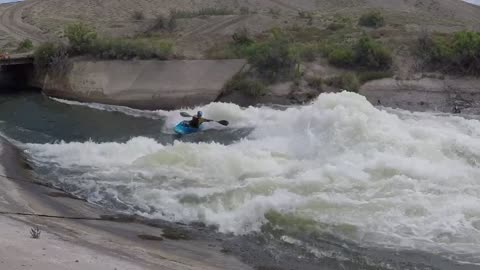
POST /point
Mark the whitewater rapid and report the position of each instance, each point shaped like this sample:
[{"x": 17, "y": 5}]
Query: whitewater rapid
[{"x": 401, "y": 180}]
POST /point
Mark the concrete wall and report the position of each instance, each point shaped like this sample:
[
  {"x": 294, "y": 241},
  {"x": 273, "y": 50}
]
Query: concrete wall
[
  {"x": 143, "y": 84},
  {"x": 426, "y": 94}
]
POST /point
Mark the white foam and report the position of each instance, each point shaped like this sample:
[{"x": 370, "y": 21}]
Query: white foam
[{"x": 404, "y": 180}]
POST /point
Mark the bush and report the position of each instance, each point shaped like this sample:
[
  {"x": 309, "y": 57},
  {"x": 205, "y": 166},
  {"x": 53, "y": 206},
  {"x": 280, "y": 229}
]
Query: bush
[
  {"x": 347, "y": 81},
  {"x": 44, "y": 53},
  {"x": 242, "y": 37},
  {"x": 367, "y": 76},
  {"x": 273, "y": 57},
  {"x": 51, "y": 57},
  {"x": 315, "y": 83},
  {"x": 172, "y": 23},
  {"x": 307, "y": 52},
  {"x": 335, "y": 26},
  {"x": 372, "y": 19},
  {"x": 250, "y": 87},
  {"x": 160, "y": 23},
  {"x": 343, "y": 57},
  {"x": 138, "y": 15},
  {"x": 202, "y": 12},
  {"x": 80, "y": 37},
  {"x": 244, "y": 11},
  {"x": 371, "y": 54},
  {"x": 459, "y": 53},
  {"x": 116, "y": 48},
  {"x": 25, "y": 46}
]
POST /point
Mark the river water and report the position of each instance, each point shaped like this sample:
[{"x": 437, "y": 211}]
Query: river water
[{"x": 375, "y": 179}]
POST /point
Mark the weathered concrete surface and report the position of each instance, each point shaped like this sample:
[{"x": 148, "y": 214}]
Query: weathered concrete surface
[
  {"x": 85, "y": 244},
  {"x": 143, "y": 84},
  {"x": 426, "y": 94}
]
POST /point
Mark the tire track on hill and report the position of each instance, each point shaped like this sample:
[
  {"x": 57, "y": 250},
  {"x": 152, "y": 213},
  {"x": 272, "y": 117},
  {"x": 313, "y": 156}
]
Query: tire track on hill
[
  {"x": 12, "y": 23},
  {"x": 204, "y": 27}
]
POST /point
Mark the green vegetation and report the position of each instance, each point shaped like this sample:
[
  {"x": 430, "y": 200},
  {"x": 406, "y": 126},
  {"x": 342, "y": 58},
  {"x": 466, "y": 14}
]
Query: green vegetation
[
  {"x": 335, "y": 26},
  {"x": 366, "y": 76},
  {"x": 315, "y": 83},
  {"x": 365, "y": 53},
  {"x": 25, "y": 46},
  {"x": 346, "y": 81},
  {"x": 180, "y": 14},
  {"x": 138, "y": 15},
  {"x": 80, "y": 37},
  {"x": 372, "y": 19},
  {"x": 248, "y": 86},
  {"x": 83, "y": 40},
  {"x": 457, "y": 53},
  {"x": 124, "y": 49},
  {"x": 244, "y": 11},
  {"x": 44, "y": 53}
]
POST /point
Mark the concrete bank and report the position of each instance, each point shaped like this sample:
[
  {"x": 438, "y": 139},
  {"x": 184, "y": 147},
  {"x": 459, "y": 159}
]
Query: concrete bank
[
  {"x": 426, "y": 94},
  {"x": 99, "y": 239},
  {"x": 139, "y": 84}
]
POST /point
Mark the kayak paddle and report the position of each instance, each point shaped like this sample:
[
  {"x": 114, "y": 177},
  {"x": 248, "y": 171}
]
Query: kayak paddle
[{"x": 222, "y": 122}]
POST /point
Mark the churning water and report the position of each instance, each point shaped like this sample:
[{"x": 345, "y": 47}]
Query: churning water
[{"x": 378, "y": 178}]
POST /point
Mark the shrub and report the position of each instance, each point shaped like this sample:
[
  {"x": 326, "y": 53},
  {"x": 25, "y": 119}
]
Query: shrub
[
  {"x": 44, "y": 53},
  {"x": 116, "y": 48},
  {"x": 25, "y": 46},
  {"x": 80, "y": 37},
  {"x": 250, "y": 87},
  {"x": 172, "y": 23},
  {"x": 372, "y": 19},
  {"x": 160, "y": 23},
  {"x": 371, "y": 54},
  {"x": 347, "y": 81},
  {"x": 138, "y": 15},
  {"x": 244, "y": 11},
  {"x": 307, "y": 52},
  {"x": 343, "y": 57},
  {"x": 242, "y": 37},
  {"x": 459, "y": 53},
  {"x": 201, "y": 12},
  {"x": 335, "y": 26},
  {"x": 273, "y": 57},
  {"x": 367, "y": 76},
  {"x": 315, "y": 83}
]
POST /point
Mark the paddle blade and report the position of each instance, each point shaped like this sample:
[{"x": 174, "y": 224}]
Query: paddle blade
[
  {"x": 184, "y": 114},
  {"x": 223, "y": 122}
]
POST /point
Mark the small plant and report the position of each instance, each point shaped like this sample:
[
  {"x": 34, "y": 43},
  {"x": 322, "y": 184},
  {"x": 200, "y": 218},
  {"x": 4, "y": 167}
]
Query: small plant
[
  {"x": 343, "y": 57},
  {"x": 367, "y": 76},
  {"x": 172, "y": 22},
  {"x": 275, "y": 12},
  {"x": 315, "y": 83},
  {"x": 372, "y": 19},
  {"x": 335, "y": 26},
  {"x": 249, "y": 87},
  {"x": 25, "y": 46},
  {"x": 305, "y": 15},
  {"x": 80, "y": 37},
  {"x": 160, "y": 23},
  {"x": 185, "y": 14},
  {"x": 273, "y": 57},
  {"x": 347, "y": 81},
  {"x": 43, "y": 54},
  {"x": 371, "y": 54},
  {"x": 35, "y": 232},
  {"x": 244, "y": 11},
  {"x": 242, "y": 37},
  {"x": 138, "y": 15}
]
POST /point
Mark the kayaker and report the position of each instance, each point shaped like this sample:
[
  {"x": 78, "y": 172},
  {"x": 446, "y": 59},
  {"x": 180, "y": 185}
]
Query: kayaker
[{"x": 197, "y": 120}]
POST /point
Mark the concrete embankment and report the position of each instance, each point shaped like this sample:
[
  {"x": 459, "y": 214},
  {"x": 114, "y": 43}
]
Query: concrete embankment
[
  {"x": 426, "y": 94},
  {"x": 78, "y": 235},
  {"x": 143, "y": 84}
]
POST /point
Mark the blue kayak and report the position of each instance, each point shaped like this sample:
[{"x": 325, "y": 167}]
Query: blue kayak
[{"x": 184, "y": 128}]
